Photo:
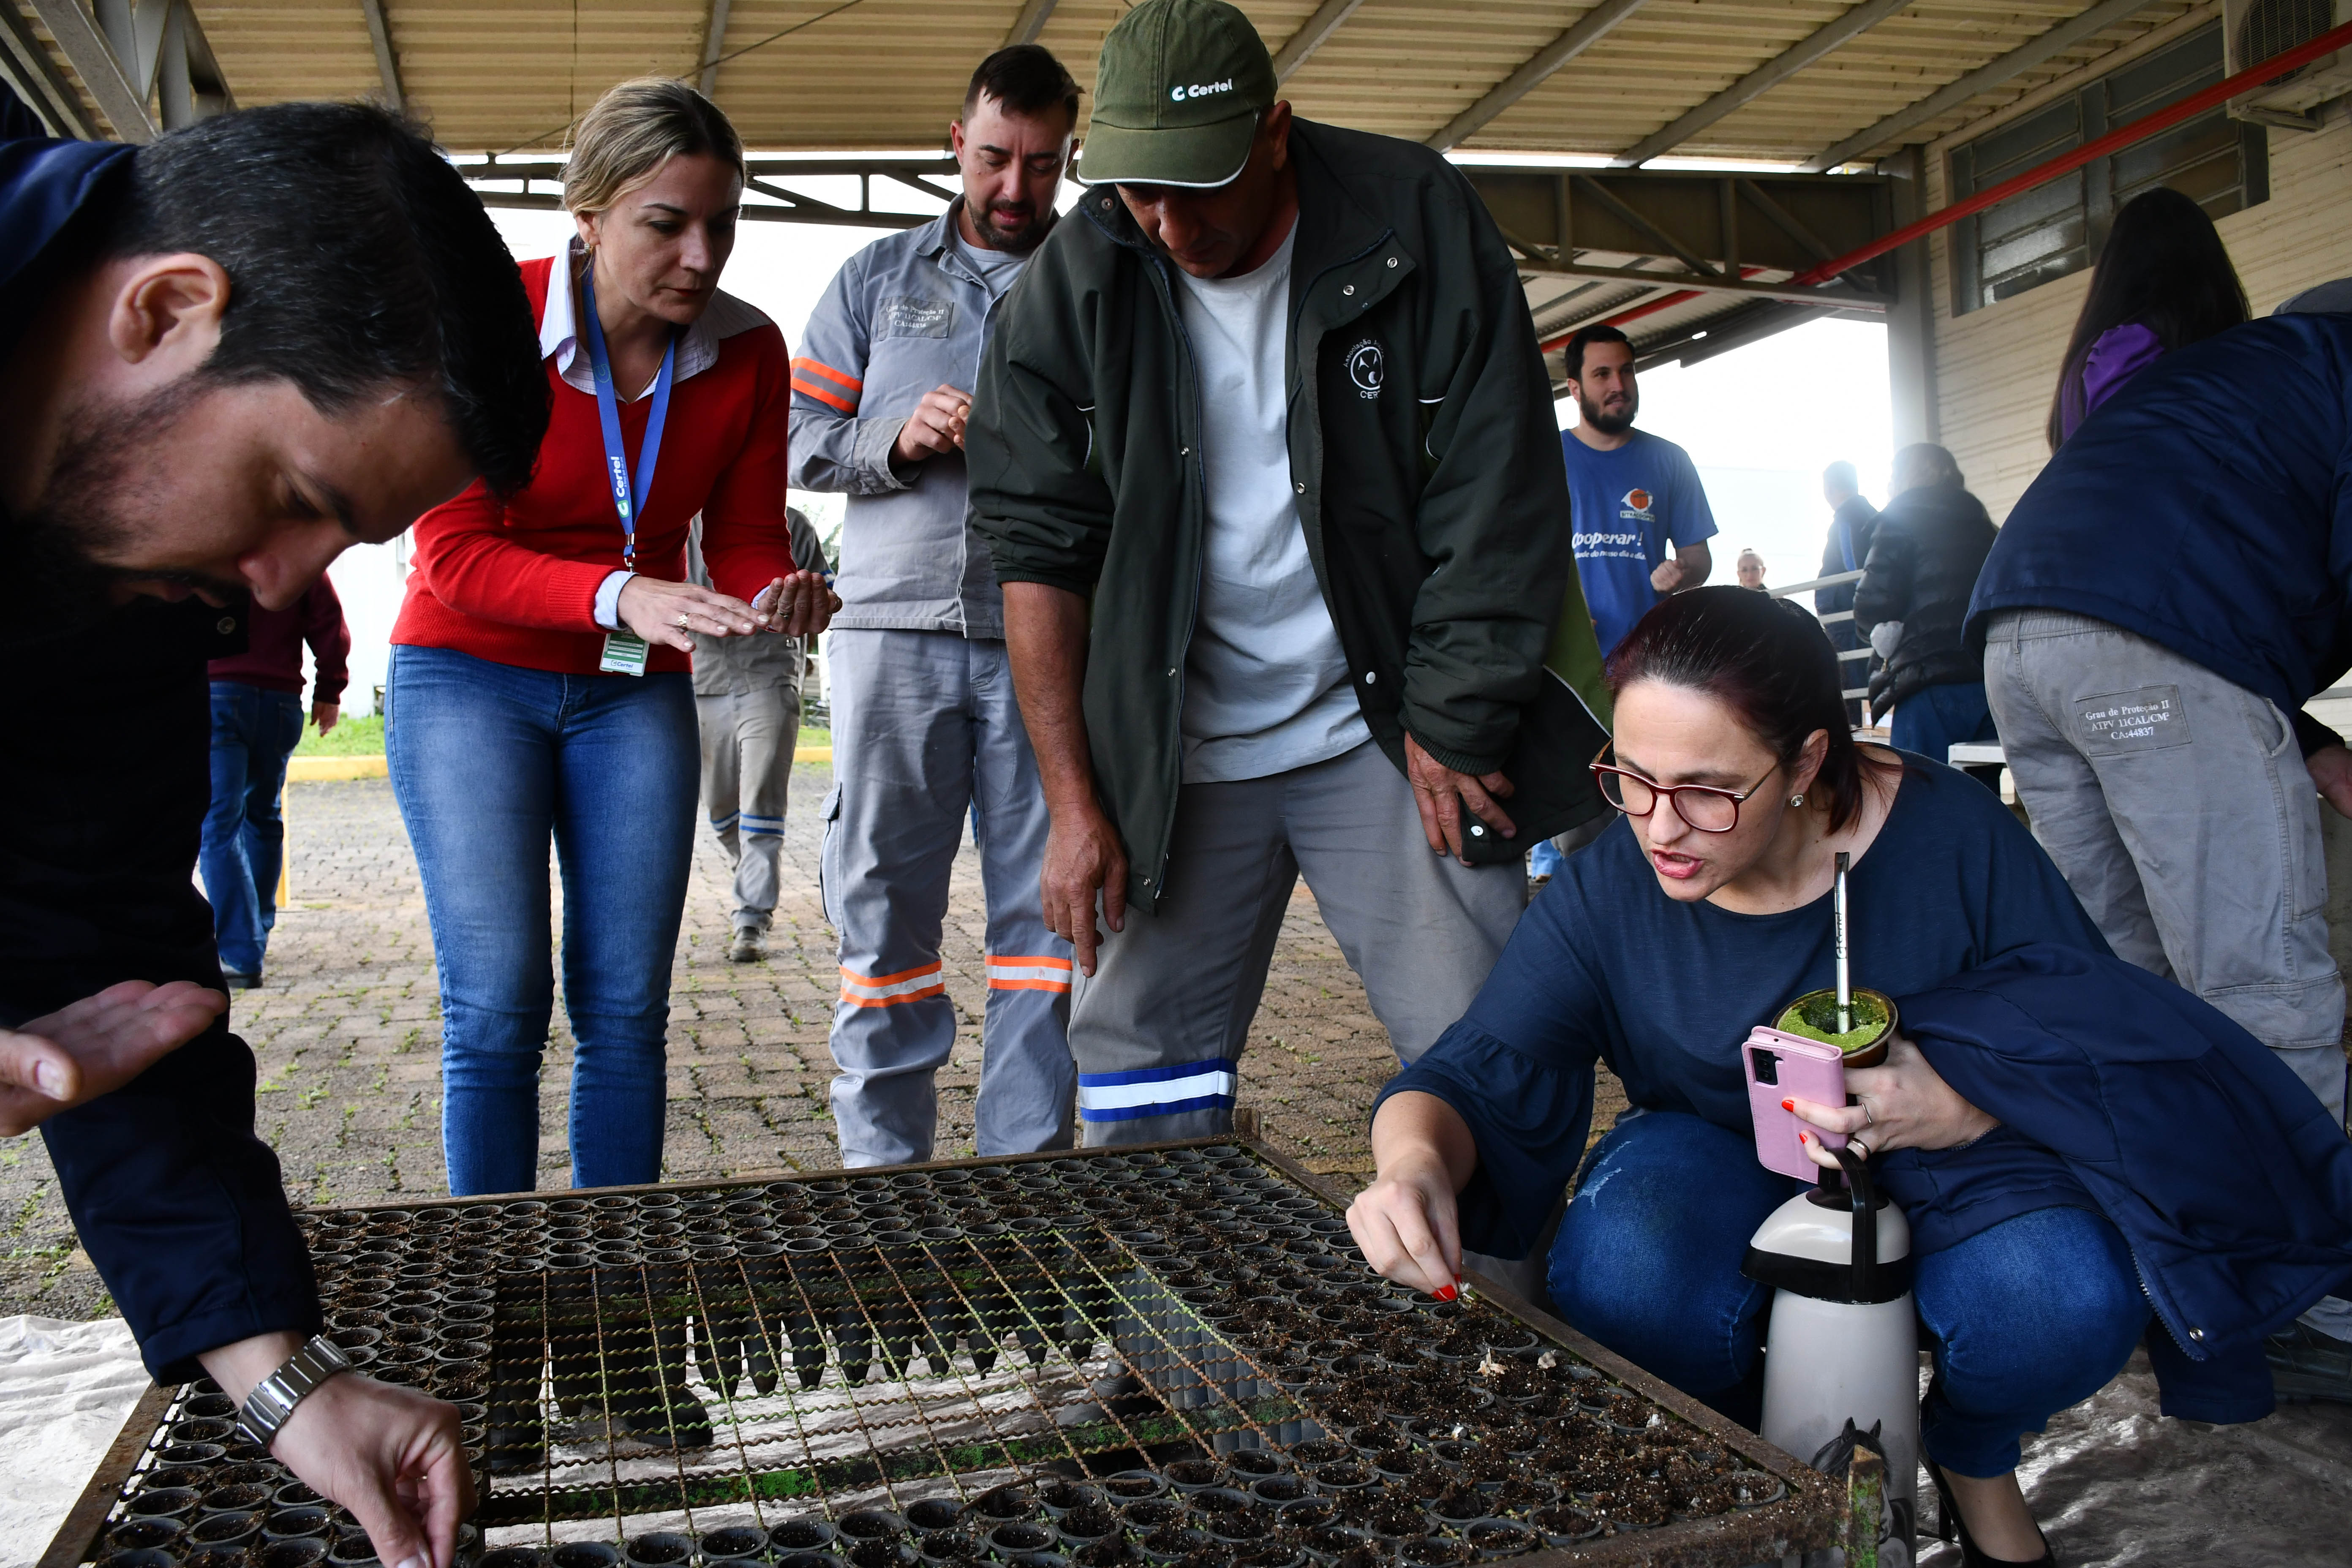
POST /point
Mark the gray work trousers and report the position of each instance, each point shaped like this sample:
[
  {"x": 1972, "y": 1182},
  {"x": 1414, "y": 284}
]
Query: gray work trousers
[
  {"x": 926, "y": 732},
  {"x": 1160, "y": 1029},
  {"x": 2176, "y": 804},
  {"x": 747, "y": 769}
]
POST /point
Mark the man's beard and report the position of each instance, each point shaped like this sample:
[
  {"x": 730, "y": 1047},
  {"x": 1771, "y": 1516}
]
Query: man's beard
[
  {"x": 1609, "y": 424},
  {"x": 1016, "y": 242},
  {"x": 83, "y": 513}
]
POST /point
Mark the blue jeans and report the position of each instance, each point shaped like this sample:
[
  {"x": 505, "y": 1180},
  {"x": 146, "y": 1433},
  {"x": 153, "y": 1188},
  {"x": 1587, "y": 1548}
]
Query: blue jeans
[
  {"x": 2025, "y": 1319},
  {"x": 488, "y": 762},
  {"x": 254, "y": 730},
  {"x": 1932, "y": 720}
]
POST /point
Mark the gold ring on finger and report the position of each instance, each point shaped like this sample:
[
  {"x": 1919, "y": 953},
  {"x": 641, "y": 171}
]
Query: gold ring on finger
[{"x": 682, "y": 618}]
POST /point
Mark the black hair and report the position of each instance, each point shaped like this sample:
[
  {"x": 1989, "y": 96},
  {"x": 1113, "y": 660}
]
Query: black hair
[
  {"x": 356, "y": 257},
  {"x": 1767, "y": 662},
  {"x": 1027, "y": 80},
  {"x": 1573, "y": 356},
  {"x": 2164, "y": 266}
]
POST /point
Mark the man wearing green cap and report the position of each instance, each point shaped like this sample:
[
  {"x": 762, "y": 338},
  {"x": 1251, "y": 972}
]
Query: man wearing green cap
[{"x": 1266, "y": 456}]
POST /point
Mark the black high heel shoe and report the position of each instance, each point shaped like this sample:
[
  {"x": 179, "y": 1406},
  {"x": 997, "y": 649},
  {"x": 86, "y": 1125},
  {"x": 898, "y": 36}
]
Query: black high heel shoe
[{"x": 1951, "y": 1527}]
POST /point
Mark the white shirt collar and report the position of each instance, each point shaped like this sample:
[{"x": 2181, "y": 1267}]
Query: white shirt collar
[{"x": 558, "y": 332}]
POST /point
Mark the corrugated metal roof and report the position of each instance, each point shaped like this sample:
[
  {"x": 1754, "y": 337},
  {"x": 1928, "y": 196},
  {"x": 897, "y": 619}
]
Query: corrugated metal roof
[{"x": 888, "y": 73}]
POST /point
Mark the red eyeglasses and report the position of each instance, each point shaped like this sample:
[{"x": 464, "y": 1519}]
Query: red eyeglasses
[{"x": 1705, "y": 807}]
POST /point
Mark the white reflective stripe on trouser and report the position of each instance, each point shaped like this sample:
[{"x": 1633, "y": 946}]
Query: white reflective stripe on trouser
[
  {"x": 1037, "y": 974},
  {"x": 888, "y": 990},
  {"x": 1158, "y": 1091}
]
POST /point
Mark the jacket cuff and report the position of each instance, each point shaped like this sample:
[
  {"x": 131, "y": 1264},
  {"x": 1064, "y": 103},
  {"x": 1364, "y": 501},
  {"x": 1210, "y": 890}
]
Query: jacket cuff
[
  {"x": 869, "y": 454},
  {"x": 171, "y": 1353},
  {"x": 1475, "y": 763},
  {"x": 568, "y": 594},
  {"x": 1068, "y": 581},
  {"x": 2311, "y": 735},
  {"x": 608, "y": 599}
]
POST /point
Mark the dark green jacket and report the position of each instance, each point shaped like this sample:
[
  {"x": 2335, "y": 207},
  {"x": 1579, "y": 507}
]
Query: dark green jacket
[{"x": 1423, "y": 443}]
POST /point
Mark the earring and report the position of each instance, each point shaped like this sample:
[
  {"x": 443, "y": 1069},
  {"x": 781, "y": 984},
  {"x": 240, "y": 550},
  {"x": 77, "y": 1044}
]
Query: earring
[{"x": 1796, "y": 800}]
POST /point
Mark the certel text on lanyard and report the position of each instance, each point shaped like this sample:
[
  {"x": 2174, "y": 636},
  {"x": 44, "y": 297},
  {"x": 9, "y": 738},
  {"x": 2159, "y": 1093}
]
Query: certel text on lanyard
[{"x": 624, "y": 651}]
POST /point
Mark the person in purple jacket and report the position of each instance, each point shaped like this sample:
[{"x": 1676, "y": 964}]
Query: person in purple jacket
[
  {"x": 2163, "y": 281},
  {"x": 256, "y": 724}
]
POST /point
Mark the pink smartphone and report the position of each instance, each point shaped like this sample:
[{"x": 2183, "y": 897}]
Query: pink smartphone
[{"x": 1790, "y": 1066}]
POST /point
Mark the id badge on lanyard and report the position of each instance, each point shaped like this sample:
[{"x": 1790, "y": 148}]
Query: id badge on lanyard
[{"x": 626, "y": 651}]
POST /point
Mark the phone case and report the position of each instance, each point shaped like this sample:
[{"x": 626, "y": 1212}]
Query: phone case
[{"x": 1789, "y": 1067}]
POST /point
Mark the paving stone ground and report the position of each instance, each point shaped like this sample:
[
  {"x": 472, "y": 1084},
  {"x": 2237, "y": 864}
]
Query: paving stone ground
[{"x": 347, "y": 1035}]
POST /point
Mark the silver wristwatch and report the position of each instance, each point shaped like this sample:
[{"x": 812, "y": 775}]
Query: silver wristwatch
[{"x": 273, "y": 1399}]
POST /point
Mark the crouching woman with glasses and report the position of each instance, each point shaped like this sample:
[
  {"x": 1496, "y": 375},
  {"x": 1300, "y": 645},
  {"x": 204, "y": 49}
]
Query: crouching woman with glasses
[{"x": 1657, "y": 949}]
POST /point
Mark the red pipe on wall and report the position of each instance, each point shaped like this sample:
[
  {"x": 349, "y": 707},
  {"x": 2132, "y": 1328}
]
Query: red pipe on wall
[{"x": 2139, "y": 130}]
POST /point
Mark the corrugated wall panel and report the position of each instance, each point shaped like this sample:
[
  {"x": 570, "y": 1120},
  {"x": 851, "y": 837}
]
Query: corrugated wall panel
[{"x": 1997, "y": 367}]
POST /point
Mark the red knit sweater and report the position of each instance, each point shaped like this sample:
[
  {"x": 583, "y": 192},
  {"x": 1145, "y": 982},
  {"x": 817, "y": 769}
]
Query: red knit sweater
[{"x": 515, "y": 581}]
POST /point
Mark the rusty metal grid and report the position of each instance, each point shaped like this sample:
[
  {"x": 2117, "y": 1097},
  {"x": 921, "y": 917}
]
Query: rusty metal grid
[{"x": 742, "y": 1356}]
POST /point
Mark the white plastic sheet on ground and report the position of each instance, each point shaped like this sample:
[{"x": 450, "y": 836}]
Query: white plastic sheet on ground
[{"x": 65, "y": 1389}]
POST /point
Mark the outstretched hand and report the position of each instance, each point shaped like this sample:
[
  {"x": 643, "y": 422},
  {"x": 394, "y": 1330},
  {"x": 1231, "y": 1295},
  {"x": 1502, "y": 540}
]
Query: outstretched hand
[
  {"x": 1906, "y": 1104},
  {"x": 96, "y": 1045}
]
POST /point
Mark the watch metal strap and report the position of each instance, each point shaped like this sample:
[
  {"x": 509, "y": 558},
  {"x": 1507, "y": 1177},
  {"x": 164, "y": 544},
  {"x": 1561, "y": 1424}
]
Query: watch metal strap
[{"x": 273, "y": 1399}]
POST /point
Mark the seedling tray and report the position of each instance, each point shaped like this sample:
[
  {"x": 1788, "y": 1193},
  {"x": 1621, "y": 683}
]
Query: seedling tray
[{"x": 1178, "y": 1348}]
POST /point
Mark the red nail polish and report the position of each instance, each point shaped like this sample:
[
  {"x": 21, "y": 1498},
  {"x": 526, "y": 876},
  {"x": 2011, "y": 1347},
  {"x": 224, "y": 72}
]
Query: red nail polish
[
  {"x": 1445, "y": 1293},
  {"x": 1788, "y": 1105},
  {"x": 1804, "y": 1138}
]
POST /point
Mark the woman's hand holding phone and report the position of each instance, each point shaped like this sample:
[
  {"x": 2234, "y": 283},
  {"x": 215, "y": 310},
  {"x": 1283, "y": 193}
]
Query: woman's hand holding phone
[{"x": 1905, "y": 1104}]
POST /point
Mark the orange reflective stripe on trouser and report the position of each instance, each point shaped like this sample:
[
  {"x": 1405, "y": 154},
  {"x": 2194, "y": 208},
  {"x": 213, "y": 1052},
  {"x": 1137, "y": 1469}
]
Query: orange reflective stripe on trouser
[
  {"x": 1040, "y": 973},
  {"x": 889, "y": 990}
]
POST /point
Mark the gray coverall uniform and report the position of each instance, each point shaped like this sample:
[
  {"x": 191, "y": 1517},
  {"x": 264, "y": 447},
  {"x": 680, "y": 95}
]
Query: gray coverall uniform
[
  {"x": 747, "y": 698},
  {"x": 925, "y": 728}
]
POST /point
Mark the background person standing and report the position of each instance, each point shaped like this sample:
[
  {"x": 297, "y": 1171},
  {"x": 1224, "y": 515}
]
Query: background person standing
[
  {"x": 1854, "y": 523},
  {"x": 925, "y": 728},
  {"x": 1931, "y": 540},
  {"x": 1632, "y": 495},
  {"x": 256, "y": 724},
  {"x": 747, "y": 705}
]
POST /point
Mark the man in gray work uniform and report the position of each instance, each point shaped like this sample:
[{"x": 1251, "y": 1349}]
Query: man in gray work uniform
[
  {"x": 924, "y": 725},
  {"x": 1265, "y": 455},
  {"x": 747, "y": 700}
]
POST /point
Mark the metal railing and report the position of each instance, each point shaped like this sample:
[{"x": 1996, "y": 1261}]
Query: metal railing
[{"x": 1833, "y": 580}]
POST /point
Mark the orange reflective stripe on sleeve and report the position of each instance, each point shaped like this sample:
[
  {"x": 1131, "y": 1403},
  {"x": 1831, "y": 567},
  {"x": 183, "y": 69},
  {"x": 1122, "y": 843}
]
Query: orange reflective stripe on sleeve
[
  {"x": 821, "y": 395},
  {"x": 819, "y": 368}
]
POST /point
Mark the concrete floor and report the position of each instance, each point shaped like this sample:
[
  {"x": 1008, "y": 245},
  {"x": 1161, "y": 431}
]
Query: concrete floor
[{"x": 347, "y": 1034}]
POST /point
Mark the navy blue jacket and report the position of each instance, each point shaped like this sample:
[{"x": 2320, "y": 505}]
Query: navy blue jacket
[
  {"x": 2205, "y": 507},
  {"x": 177, "y": 1202},
  {"x": 2226, "y": 1176}
]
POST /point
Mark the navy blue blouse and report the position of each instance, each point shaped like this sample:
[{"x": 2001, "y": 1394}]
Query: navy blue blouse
[{"x": 1604, "y": 966}]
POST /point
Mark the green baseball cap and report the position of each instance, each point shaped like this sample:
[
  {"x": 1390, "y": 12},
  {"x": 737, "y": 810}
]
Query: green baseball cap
[{"x": 1177, "y": 96}]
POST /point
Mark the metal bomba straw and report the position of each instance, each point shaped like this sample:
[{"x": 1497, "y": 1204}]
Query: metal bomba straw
[{"x": 1845, "y": 975}]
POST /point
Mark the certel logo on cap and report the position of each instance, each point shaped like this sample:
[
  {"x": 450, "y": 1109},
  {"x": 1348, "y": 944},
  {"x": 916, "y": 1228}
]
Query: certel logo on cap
[{"x": 1199, "y": 89}]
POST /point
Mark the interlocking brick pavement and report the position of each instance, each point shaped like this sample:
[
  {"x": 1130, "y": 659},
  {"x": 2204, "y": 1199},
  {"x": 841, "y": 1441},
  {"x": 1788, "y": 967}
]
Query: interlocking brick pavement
[{"x": 347, "y": 1036}]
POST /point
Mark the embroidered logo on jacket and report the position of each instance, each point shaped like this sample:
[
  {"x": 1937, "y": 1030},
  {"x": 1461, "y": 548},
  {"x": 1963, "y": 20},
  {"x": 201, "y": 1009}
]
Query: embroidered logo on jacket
[
  {"x": 912, "y": 316},
  {"x": 1368, "y": 368}
]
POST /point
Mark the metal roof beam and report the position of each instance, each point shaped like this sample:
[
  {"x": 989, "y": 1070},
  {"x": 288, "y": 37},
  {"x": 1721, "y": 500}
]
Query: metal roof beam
[
  {"x": 1984, "y": 79},
  {"x": 1311, "y": 35},
  {"x": 1031, "y": 21},
  {"x": 1760, "y": 81},
  {"x": 1610, "y": 201},
  {"x": 387, "y": 68},
  {"x": 93, "y": 59},
  {"x": 1589, "y": 29},
  {"x": 25, "y": 65},
  {"x": 1708, "y": 283}
]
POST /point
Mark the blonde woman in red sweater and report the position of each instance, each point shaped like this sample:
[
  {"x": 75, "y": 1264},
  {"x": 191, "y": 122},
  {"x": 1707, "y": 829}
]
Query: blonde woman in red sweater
[{"x": 539, "y": 690}]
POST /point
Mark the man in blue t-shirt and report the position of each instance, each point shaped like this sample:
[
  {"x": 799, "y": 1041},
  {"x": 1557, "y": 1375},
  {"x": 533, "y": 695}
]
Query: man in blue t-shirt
[{"x": 1631, "y": 493}]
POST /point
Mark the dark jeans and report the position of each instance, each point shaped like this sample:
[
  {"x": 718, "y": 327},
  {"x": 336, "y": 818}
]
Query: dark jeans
[
  {"x": 492, "y": 763},
  {"x": 1934, "y": 720},
  {"x": 254, "y": 730},
  {"x": 2025, "y": 1319}
]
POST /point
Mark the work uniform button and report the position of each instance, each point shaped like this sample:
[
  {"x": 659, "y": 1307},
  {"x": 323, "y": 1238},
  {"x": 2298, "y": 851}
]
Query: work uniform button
[
  {"x": 226, "y": 625},
  {"x": 1370, "y": 675},
  {"x": 1172, "y": 674},
  {"x": 1302, "y": 489},
  {"x": 1391, "y": 261},
  {"x": 1347, "y": 289}
]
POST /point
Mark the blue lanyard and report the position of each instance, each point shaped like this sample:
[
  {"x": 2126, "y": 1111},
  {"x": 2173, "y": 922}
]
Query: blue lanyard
[{"x": 628, "y": 497}]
